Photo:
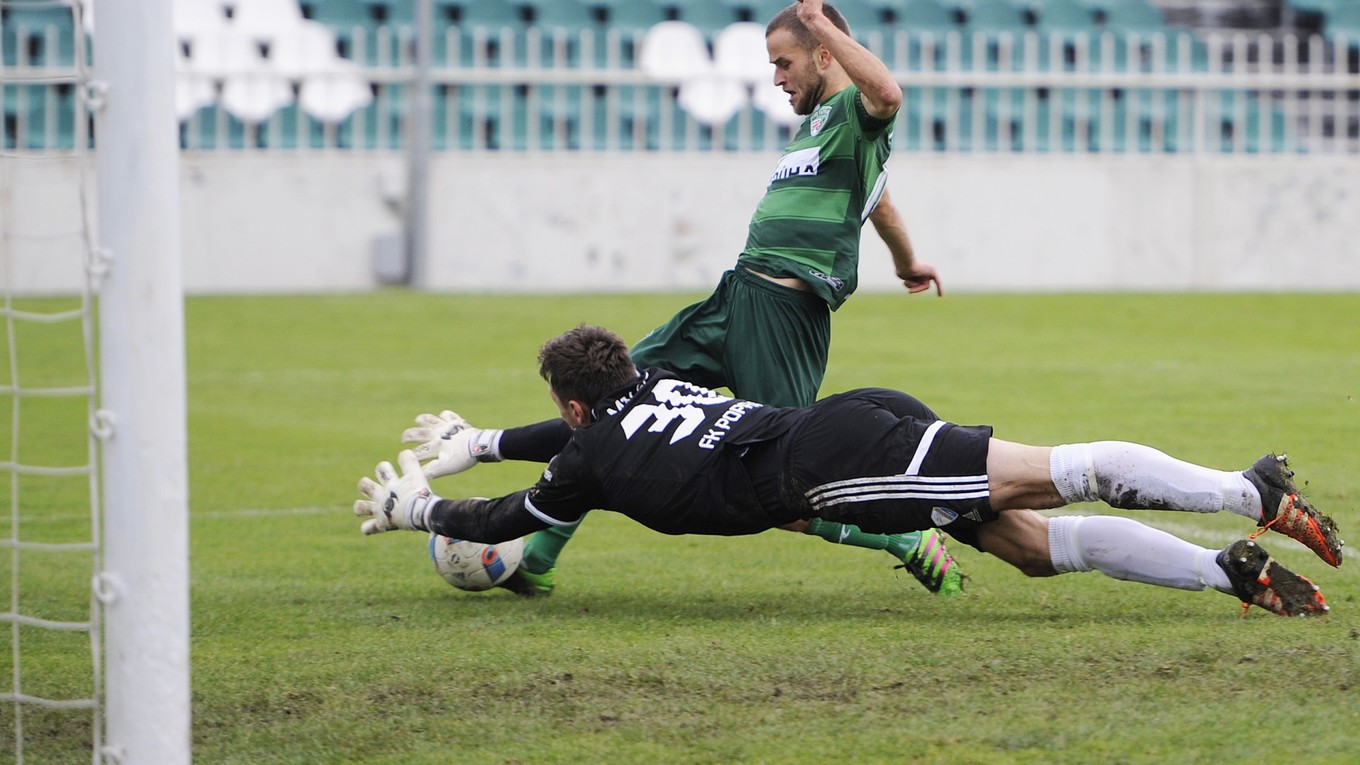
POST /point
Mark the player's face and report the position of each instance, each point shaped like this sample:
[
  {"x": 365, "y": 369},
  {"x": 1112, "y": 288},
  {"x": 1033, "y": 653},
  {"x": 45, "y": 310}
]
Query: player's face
[{"x": 795, "y": 71}]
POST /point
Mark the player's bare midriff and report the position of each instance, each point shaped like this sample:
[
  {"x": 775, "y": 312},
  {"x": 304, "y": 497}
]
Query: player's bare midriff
[{"x": 791, "y": 282}]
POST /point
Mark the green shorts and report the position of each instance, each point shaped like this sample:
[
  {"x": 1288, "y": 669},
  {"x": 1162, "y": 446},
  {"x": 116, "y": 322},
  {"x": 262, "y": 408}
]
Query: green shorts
[{"x": 763, "y": 341}]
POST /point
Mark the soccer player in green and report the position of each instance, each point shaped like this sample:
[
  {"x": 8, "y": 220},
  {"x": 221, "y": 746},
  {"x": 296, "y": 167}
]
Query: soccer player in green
[{"x": 765, "y": 332}]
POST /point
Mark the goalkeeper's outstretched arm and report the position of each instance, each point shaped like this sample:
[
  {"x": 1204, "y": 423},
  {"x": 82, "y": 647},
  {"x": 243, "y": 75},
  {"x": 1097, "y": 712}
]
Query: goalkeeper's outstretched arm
[{"x": 489, "y": 521}]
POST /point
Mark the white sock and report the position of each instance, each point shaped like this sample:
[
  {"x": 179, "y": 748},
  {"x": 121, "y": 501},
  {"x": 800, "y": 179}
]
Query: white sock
[
  {"x": 1128, "y": 550},
  {"x": 1136, "y": 477}
]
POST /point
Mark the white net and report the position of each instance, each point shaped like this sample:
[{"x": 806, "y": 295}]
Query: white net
[{"x": 49, "y": 462}]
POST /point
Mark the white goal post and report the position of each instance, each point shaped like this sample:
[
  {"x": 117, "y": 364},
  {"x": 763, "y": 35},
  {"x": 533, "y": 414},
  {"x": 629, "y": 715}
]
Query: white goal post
[{"x": 144, "y": 585}]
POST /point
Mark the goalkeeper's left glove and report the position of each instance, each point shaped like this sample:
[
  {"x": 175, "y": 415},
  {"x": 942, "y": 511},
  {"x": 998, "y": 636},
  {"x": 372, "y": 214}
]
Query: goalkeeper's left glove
[
  {"x": 396, "y": 501},
  {"x": 447, "y": 444}
]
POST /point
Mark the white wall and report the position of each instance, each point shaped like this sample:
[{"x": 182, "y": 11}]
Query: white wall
[{"x": 559, "y": 222}]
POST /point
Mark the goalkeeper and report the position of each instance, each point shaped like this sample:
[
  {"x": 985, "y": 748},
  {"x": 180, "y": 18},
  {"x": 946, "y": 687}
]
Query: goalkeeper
[
  {"x": 683, "y": 459},
  {"x": 765, "y": 332}
]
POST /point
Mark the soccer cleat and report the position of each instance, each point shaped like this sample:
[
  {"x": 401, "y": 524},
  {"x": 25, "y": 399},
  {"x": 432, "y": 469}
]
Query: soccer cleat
[
  {"x": 1259, "y": 580},
  {"x": 1286, "y": 511},
  {"x": 932, "y": 565},
  {"x": 530, "y": 585}
]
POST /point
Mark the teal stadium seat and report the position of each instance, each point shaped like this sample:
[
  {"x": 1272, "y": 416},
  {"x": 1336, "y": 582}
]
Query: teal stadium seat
[
  {"x": 563, "y": 26},
  {"x": 923, "y": 31},
  {"x": 708, "y": 16},
  {"x": 993, "y": 35},
  {"x": 493, "y": 32},
  {"x": 352, "y": 23},
  {"x": 1343, "y": 21},
  {"x": 38, "y": 34},
  {"x": 626, "y": 21},
  {"x": 1070, "y": 37},
  {"x": 492, "y": 116}
]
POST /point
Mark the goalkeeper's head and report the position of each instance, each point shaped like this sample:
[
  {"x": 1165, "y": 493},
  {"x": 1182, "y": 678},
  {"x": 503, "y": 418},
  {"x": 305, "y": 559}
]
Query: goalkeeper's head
[{"x": 583, "y": 365}]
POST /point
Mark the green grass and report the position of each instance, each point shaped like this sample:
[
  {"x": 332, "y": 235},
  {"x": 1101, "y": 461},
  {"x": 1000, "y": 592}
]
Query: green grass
[{"x": 313, "y": 644}]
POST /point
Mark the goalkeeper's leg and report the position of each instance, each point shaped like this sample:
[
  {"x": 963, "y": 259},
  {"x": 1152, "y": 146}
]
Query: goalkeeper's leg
[{"x": 930, "y": 563}]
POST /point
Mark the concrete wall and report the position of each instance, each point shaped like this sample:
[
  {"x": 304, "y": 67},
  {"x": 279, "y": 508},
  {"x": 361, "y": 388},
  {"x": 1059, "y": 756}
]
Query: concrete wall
[{"x": 559, "y": 222}]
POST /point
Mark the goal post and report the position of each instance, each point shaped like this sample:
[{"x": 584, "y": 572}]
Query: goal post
[{"x": 144, "y": 584}]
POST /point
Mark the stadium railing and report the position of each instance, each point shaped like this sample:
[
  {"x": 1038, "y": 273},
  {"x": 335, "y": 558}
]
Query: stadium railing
[{"x": 516, "y": 86}]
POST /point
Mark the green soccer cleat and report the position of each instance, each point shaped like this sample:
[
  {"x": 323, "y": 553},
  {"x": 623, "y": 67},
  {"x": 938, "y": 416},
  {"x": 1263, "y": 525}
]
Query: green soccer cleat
[
  {"x": 931, "y": 564},
  {"x": 529, "y": 585},
  {"x": 1259, "y": 580},
  {"x": 1284, "y": 509}
]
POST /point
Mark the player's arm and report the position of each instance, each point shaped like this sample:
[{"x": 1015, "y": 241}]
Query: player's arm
[
  {"x": 485, "y": 520},
  {"x": 878, "y": 88},
  {"x": 403, "y": 501},
  {"x": 447, "y": 443},
  {"x": 916, "y": 274}
]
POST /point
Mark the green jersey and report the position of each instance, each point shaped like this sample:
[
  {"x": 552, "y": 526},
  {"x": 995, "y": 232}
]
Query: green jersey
[{"x": 830, "y": 177}]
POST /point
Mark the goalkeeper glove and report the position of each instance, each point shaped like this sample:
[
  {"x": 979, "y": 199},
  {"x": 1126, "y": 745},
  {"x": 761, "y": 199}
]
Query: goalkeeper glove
[
  {"x": 396, "y": 501},
  {"x": 447, "y": 444}
]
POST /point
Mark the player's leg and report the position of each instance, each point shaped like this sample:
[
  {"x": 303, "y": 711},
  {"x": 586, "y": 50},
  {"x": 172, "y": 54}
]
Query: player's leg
[
  {"x": 1130, "y": 551},
  {"x": 1136, "y": 477}
]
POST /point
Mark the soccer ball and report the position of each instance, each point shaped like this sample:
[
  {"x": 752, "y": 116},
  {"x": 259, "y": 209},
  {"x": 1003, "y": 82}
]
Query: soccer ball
[{"x": 474, "y": 566}]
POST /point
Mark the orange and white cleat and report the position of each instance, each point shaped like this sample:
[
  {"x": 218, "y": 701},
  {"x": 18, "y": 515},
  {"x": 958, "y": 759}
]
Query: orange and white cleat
[{"x": 1283, "y": 509}]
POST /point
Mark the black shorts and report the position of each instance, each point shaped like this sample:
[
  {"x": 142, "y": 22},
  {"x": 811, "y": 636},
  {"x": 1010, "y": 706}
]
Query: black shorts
[{"x": 882, "y": 460}]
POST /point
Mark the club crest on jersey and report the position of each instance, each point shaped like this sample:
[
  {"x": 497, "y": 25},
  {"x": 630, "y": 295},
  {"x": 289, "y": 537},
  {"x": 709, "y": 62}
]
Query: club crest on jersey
[
  {"x": 818, "y": 119},
  {"x": 802, "y": 162}
]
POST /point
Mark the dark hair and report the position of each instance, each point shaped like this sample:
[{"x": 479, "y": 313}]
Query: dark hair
[
  {"x": 585, "y": 364},
  {"x": 788, "y": 19}
]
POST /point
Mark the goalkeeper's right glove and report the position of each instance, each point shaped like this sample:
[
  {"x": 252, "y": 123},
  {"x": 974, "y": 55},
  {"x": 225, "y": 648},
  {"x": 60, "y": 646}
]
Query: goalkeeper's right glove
[
  {"x": 396, "y": 501},
  {"x": 448, "y": 444}
]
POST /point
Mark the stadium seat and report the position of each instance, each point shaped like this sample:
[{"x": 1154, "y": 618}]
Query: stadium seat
[
  {"x": 864, "y": 17},
  {"x": 712, "y": 100},
  {"x": 263, "y": 20},
  {"x": 352, "y": 23},
  {"x": 332, "y": 96},
  {"x": 626, "y": 22},
  {"x": 1343, "y": 20},
  {"x": 708, "y": 16},
  {"x": 773, "y": 102},
  {"x": 492, "y": 32},
  {"x": 562, "y": 111},
  {"x": 1245, "y": 124},
  {"x": 673, "y": 51},
  {"x": 740, "y": 54},
  {"x": 39, "y": 34},
  {"x": 493, "y": 116},
  {"x": 212, "y": 128},
  {"x": 635, "y": 116},
  {"x": 1070, "y": 37},
  {"x": 924, "y": 31},
  {"x": 993, "y": 35},
  {"x": 565, "y": 27},
  {"x": 307, "y": 48},
  {"x": 1133, "y": 16},
  {"x": 43, "y": 116}
]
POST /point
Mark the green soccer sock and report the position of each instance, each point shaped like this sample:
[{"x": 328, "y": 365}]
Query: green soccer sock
[
  {"x": 900, "y": 545},
  {"x": 542, "y": 547}
]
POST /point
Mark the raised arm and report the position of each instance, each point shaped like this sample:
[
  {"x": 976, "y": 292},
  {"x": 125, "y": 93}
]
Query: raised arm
[{"x": 878, "y": 88}]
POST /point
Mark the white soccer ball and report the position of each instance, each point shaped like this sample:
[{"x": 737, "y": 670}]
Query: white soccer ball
[{"x": 474, "y": 566}]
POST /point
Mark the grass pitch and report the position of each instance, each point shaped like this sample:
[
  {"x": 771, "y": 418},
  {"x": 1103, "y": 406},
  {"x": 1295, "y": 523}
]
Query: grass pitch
[{"x": 313, "y": 644}]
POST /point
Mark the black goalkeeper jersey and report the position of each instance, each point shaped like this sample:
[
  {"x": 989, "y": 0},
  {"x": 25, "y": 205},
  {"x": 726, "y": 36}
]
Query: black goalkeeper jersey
[{"x": 666, "y": 453}]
